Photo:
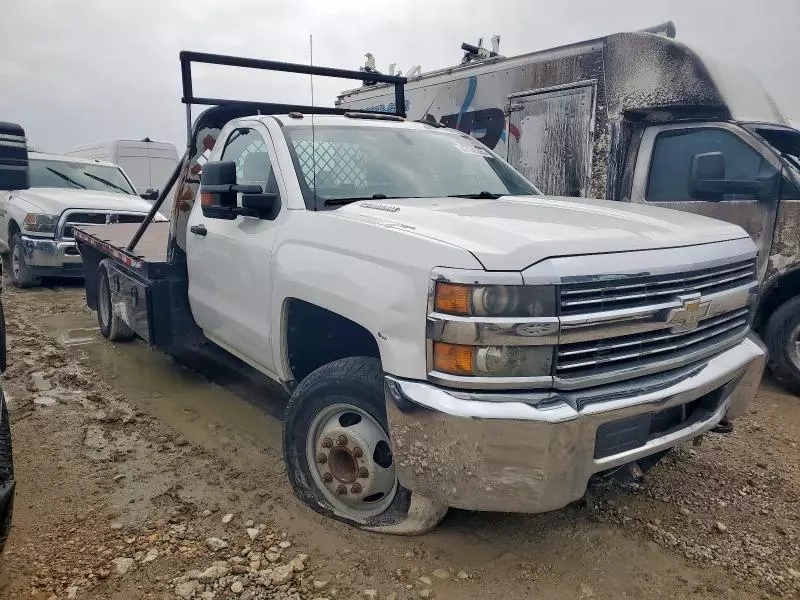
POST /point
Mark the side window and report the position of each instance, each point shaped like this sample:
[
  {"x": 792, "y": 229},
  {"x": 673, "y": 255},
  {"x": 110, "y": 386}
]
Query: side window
[
  {"x": 672, "y": 159},
  {"x": 248, "y": 150}
]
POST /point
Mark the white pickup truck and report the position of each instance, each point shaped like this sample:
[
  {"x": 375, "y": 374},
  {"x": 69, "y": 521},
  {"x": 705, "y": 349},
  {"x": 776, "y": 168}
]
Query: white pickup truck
[
  {"x": 36, "y": 224},
  {"x": 449, "y": 337}
]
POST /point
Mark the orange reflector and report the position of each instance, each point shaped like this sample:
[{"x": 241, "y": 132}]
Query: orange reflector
[
  {"x": 452, "y": 299},
  {"x": 452, "y": 358},
  {"x": 206, "y": 199}
]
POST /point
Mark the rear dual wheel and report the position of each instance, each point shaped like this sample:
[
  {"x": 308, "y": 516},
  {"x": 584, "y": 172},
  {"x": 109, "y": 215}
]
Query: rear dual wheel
[
  {"x": 339, "y": 456},
  {"x": 111, "y": 325}
]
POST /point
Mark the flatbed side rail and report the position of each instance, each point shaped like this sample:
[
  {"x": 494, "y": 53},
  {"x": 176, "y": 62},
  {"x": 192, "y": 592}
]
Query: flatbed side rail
[{"x": 102, "y": 246}]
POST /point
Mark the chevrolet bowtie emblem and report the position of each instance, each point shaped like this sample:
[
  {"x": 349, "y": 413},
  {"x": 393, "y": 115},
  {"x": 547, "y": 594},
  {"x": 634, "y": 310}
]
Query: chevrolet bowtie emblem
[{"x": 688, "y": 315}]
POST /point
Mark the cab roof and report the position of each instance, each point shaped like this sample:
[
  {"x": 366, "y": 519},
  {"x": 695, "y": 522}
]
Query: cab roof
[{"x": 354, "y": 120}]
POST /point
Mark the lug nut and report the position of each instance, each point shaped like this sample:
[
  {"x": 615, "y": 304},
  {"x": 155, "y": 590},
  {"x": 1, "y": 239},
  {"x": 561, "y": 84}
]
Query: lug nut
[
  {"x": 341, "y": 490},
  {"x": 363, "y": 473},
  {"x": 342, "y": 440},
  {"x": 356, "y": 488},
  {"x": 327, "y": 477},
  {"x": 327, "y": 443},
  {"x": 322, "y": 458},
  {"x": 358, "y": 452}
]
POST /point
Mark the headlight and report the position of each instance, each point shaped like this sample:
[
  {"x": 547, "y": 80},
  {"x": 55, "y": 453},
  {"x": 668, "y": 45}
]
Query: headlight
[
  {"x": 40, "y": 223},
  {"x": 492, "y": 361},
  {"x": 495, "y": 300}
]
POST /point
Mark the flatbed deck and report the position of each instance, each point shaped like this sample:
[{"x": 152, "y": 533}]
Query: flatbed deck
[{"x": 151, "y": 248}]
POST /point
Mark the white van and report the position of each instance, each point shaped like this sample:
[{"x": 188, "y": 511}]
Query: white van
[{"x": 148, "y": 163}]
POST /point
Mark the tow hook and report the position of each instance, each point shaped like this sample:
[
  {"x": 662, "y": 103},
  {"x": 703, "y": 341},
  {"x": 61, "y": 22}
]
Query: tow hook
[
  {"x": 724, "y": 426},
  {"x": 629, "y": 477}
]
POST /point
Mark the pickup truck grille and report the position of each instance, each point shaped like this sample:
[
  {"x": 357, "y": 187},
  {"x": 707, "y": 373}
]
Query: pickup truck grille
[
  {"x": 95, "y": 218},
  {"x": 631, "y": 292},
  {"x": 618, "y": 353}
]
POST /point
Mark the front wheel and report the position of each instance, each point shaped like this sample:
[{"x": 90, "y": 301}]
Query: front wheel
[
  {"x": 782, "y": 337},
  {"x": 20, "y": 271},
  {"x": 338, "y": 453},
  {"x": 111, "y": 325}
]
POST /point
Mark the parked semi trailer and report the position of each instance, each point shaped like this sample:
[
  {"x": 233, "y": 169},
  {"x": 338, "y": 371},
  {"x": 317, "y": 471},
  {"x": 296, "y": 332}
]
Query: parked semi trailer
[
  {"x": 448, "y": 335},
  {"x": 641, "y": 118}
]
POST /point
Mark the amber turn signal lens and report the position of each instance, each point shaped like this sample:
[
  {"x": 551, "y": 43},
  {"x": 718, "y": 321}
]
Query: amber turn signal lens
[
  {"x": 452, "y": 299},
  {"x": 453, "y": 359}
]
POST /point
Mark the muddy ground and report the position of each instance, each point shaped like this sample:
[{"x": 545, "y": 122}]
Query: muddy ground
[{"x": 139, "y": 478}]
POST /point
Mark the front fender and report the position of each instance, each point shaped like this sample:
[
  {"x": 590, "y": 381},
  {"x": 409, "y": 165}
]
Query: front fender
[{"x": 375, "y": 276}]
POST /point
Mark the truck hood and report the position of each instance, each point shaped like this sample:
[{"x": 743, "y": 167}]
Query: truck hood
[
  {"x": 512, "y": 233},
  {"x": 56, "y": 200}
]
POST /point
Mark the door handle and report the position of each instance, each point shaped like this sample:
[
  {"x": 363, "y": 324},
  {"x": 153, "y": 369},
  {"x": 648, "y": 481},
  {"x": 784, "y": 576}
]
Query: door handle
[{"x": 198, "y": 229}]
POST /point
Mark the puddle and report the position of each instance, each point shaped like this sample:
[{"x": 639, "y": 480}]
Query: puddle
[
  {"x": 79, "y": 336},
  {"x": 244, "y": 413}
]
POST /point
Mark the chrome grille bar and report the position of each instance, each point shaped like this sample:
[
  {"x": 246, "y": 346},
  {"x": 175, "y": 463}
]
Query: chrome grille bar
[
  {"x": 640, "y": 291},
  {"x": 579, "y": 359}
]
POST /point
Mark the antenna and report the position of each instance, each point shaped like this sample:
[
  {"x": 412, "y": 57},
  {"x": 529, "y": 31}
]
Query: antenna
[{"x": 313, "y": 141}]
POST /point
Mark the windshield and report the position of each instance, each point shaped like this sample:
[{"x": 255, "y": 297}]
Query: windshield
[
  {"x": 78, "y": 176},
  {"x": 386, "y": 162}
]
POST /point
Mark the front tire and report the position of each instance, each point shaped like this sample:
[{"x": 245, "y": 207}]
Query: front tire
[
  {"x": 6, "y": 474},
  {"x": 111, "y": 325},
  {"x": 2, "y": 339},
  {"x": 338, "y": 453},
  {"x": 782, "y": 337},
  {"x": 20, "y": 272}
]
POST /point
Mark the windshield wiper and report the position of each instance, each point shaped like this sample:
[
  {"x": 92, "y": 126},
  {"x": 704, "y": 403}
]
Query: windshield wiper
[
  {"x": 343, "y": 201},
  {"x": 107, "y": 182},
  {"x": 66, "y": 178},
  {"x": 479, "y": 196}
]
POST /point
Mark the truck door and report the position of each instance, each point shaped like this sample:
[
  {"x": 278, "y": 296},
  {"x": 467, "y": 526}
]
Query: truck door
[
  {"x": 662, "y": 176},
  {"x": 229, "y": 260},
  {"x": 550, "y": 135}
]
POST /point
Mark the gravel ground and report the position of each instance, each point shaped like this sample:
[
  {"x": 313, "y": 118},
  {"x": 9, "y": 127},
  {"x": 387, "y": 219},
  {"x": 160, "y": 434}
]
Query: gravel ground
[{"x": 140, "y": 479}]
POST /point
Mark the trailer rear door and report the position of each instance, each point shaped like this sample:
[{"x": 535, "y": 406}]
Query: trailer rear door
[{"x": 550, "y": 137}]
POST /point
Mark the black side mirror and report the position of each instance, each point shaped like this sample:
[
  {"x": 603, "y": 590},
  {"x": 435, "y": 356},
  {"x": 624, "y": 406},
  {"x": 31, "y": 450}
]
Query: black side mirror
[
  {"x": 150, "y": 194},
  {"x": 13, "y": 157},
  {"x": 707, "y": 180},
  {"x": 263, "y": 206},
  {"x": 217, "y": 197},
  {"x": 707, "y": 176}
]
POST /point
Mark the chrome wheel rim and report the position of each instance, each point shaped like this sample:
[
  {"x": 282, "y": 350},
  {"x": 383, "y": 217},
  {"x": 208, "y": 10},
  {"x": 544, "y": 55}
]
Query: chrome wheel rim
[
  {"x": 16, "y": 262},
  {"x": 351, "y": 461},
  {"x": 104, "y": 303}
]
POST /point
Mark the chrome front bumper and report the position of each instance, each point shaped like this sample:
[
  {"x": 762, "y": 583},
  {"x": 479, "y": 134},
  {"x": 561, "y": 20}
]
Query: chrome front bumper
[
  {"x": 506, "y": 455},
  {"x": 52, "y": 256}
]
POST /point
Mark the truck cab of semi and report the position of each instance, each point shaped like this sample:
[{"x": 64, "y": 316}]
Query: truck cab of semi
[
  {"x": 448, "y": 335},
  {"x": 639, "y": 117}
]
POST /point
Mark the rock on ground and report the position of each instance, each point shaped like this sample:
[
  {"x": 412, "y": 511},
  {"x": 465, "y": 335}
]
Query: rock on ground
[{"x": 123, "y": 565}]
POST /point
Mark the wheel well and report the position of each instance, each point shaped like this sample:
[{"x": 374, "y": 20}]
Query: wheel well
[
  {"x": 12, "y": 229},
  {"x": 316, "y": 336},
  {"x": 779, "y": 291}
]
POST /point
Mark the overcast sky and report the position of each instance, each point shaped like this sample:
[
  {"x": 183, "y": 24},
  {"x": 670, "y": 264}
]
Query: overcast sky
[{"x": 82, "y": 70}]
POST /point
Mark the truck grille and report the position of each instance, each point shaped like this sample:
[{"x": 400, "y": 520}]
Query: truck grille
[
  {"x": 632, "y": 292},
  {"x": 96, "y": 218},
  {"x": 581, "y": 359}
]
